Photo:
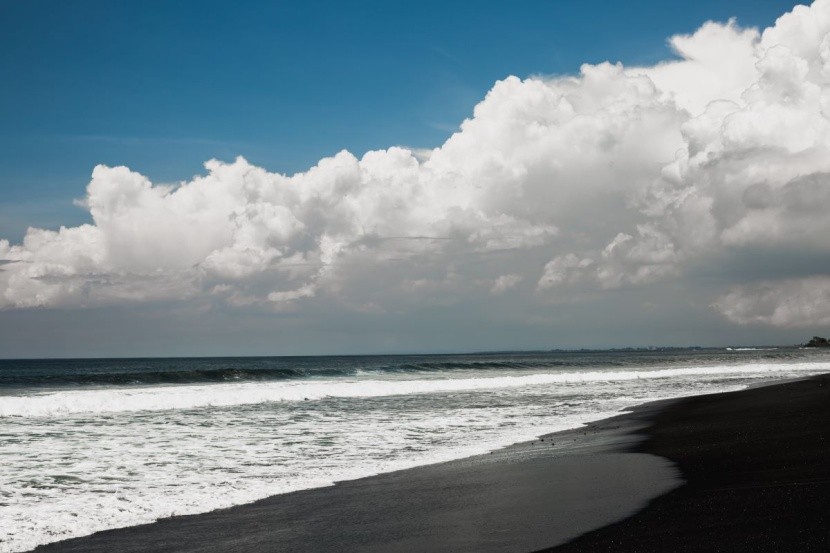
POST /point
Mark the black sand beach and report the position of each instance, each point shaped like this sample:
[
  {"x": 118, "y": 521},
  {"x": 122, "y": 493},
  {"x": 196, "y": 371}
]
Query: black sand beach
[{"x": 756, "y": 466}]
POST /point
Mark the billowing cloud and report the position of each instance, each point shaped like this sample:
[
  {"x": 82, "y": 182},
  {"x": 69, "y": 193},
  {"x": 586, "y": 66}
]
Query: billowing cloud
[
  {"x": 505, "y": 282},
  {"x": 787, "y": 303},
  {"x": 617, "y": 177}
]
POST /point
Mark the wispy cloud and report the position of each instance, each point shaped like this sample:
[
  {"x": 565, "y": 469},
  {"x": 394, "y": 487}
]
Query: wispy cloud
[{"x": 148, "y": 140}]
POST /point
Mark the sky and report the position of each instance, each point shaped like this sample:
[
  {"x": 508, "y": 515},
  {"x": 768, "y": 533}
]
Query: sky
[{"x": 257, "y": 178}]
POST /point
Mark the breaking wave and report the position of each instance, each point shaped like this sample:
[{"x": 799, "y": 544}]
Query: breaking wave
[{"x": 159, "y": 398}]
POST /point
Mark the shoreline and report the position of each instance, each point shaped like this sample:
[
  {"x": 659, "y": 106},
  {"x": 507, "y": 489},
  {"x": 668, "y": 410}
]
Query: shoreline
[
  {"x": 501, "y": 486},
  {"x": 524, "y": 497},
  {"x": 757, "y": 469}
]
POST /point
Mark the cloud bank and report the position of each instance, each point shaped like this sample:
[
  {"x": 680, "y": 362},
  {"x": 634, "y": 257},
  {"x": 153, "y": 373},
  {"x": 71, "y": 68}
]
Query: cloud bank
[{"x": 716, "y": 163}]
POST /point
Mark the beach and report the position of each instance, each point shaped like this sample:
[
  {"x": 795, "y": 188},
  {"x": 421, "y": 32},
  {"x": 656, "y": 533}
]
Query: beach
[
  {"x": 735, "y": 471},
  {"x": 757, "y": 471}
]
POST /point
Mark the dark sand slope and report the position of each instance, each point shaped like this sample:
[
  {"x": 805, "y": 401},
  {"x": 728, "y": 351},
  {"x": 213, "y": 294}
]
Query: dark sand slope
[
  {"x": 758, "y": 469},
  {"x": 520, "y": 498}
]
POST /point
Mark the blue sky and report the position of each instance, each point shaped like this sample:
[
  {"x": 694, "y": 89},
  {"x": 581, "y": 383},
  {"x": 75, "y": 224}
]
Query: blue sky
[{"x": 164, "y": 86}]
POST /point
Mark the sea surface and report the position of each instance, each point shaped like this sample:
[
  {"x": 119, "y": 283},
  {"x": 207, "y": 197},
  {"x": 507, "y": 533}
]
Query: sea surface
[{"x": 91, "y": 444}]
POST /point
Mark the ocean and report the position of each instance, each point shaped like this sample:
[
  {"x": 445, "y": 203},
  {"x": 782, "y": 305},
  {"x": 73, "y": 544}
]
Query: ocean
[{"x": 92, "y": 444}]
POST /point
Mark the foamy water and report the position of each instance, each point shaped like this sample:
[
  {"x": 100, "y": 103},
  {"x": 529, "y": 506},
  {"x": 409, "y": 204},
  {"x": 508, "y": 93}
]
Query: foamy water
[{"x": 85, "y": 448}]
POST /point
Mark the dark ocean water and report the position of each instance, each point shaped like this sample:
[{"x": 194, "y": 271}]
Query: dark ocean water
[{"x": 149, "y": 371}]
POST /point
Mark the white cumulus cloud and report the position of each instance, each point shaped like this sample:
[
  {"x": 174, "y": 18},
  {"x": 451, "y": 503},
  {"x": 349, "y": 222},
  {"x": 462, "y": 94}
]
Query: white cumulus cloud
[{"x": 803, "y": 302}]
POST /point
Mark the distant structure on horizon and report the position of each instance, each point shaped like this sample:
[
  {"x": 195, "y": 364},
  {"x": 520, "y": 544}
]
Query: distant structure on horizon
[{"x": 818, "y": 342}]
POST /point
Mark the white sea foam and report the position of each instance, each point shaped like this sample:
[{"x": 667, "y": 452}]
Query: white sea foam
[
  {"x": 158, "y": 398},
  {"x": 751, "y": 349}
]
